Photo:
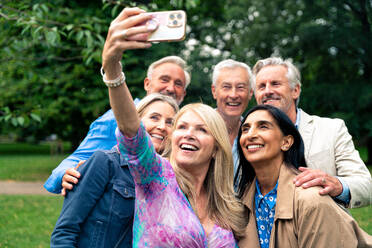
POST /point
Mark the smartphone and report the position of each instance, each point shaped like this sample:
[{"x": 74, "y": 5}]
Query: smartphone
[{"x": 171, "y": 26}]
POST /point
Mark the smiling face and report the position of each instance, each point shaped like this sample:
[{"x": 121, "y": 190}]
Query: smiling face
[
  {"x": 232, "y": 91},
  {"x": 192, "y": 144},
  {"x": 262, "y": 140},
  {"x": 157, "y": 119},
  {"x": 168, "y": 79},
  {"x": 272, "y": 87}
]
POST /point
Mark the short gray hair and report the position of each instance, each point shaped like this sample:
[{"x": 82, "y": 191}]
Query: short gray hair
[
  {"x": 293, "y": 74},
  {"x": 229, "y": 63},
  {"x": 174, "y": 60}
]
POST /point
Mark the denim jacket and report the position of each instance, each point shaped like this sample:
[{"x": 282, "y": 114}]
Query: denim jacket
[{"x": 98, "y": 212}]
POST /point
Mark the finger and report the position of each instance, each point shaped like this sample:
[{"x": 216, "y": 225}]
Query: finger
[
  {"x": 135, "y": 45},
  {"x": 312, "y": 183},
  {"x": 326, "y": 190},
  {"x": 72, "y": 172},
  {"x": 138, "y": 20},
  {"x": 66, "y": 185},
  {"x": 69, "y": 179},
  {"x": 63, "y": 192},
  {"x": 80, "y": 163},
  {"x": 303, "y": 178},
  {"x": 303, "y": 169},
  {"x": 138, "y": 37},
  {"x": 139, "y": 33},
  {"x": 125, "y": 32},
  {"x": 126, "y": 12}
]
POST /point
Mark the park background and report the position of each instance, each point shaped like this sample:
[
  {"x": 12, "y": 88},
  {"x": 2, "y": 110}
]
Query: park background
[{"x": 51, "y": 88}]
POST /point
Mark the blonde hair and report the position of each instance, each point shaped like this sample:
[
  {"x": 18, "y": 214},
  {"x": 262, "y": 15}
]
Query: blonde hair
[
  {"x": 223, "y": 207},
  {"x": 154, "y": 97}
]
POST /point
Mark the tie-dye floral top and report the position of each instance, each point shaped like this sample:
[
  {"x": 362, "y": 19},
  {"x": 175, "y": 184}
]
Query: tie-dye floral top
[{"x": 163, "y": 216}]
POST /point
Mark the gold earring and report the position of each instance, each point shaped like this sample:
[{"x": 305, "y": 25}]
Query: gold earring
[{"x": 285, "y": 148}]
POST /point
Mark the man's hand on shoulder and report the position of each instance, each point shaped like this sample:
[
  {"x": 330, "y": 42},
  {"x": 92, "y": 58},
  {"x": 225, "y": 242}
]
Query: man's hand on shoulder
[
  {"x": 312, "y": 177},
  {"x": 70, "y": 178}
]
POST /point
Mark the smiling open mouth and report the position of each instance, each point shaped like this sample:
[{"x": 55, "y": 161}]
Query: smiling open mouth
[
  {"x": 157, "y": 136},
  {"x": 270, "y": 99},
  {"x": 188, "y": 147},
  {"x": 254, "y": 146},
  {"x": 233, "y": 104}
]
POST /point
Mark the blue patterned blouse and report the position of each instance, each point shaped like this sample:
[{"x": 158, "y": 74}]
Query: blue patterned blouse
[{"x": 265, "y": 212}]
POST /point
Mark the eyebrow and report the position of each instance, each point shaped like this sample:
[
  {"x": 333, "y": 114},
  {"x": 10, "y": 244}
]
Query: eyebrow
[
  {"x": 260, "y": 122},
  {"x": 197, "y": 125},
  {"x": 164, "y": 76},
  {"x": 154, "y": 113}
]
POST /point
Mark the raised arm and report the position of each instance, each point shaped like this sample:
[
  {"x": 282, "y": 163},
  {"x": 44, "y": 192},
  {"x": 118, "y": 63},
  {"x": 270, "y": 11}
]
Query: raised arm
[{"x": 125, "y": 33}]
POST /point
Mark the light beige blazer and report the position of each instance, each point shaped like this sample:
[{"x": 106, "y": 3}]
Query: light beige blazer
[{"x": 329, "y": 147}]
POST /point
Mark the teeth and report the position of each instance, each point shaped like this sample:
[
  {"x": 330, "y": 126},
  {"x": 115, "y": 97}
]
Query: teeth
[
  {"x": 189, "y": 147},
  {"x": 157, "y": 136},
  {"x": 254, "y": 146},
  {"x": 270, "y": 99},
  {"x": 233, "y": 103}
]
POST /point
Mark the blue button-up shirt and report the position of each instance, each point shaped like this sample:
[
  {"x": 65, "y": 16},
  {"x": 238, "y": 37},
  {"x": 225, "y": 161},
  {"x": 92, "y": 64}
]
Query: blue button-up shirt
[
  {"x": 265, "y": 212},
  {"x": 101, "y": 136}
]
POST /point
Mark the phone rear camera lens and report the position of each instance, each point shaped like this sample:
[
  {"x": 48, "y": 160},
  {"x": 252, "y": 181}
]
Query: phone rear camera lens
[
  {"x": 179, "y": 16},
  {"x": 175, "y": 22},
  {"x": 171, "y": 16}
]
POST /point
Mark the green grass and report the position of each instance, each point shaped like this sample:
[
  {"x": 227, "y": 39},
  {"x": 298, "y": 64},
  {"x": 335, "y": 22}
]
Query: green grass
[
  {"x": 28, "y": 221},
  {"x": 364, "y": 218},
  {"x": 28, "y": 167}
]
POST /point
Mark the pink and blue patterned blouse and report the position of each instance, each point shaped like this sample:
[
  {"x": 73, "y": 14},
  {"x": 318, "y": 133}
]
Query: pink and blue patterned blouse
[{"x": 163, "y": 216}]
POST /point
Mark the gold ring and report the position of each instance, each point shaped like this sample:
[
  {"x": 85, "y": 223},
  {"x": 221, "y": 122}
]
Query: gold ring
[{"x": 125, "y": 33}]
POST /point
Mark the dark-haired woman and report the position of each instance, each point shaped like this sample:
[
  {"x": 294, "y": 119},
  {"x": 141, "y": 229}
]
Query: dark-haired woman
[{"x": 280, "y": 214}]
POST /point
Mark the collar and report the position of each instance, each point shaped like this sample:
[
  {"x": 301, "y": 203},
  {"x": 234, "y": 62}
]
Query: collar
[
  {"x": 285, "y": 194},
  {"x": 122, "y": 160},
  {"x": 298, "y": 117},
  {"x": 259, "y": 197}
]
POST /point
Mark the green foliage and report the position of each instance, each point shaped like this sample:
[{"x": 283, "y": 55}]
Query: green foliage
[
  {"x": 51, "y": 57},
  {"x": 50, "y": 81}
]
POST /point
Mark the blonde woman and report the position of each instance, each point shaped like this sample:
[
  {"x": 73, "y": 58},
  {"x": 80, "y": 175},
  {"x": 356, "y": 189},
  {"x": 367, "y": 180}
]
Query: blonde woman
[
  {"x": 99, "y": 211},
  {"x": 187, "y": 201}
]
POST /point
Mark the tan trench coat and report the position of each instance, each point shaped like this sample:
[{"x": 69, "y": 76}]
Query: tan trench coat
[{"x": 303, "y": 218}]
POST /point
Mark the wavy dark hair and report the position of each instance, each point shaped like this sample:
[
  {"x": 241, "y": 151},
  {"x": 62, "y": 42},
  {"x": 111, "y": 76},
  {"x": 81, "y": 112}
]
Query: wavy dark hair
[{"x": 294, "y": 157}]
